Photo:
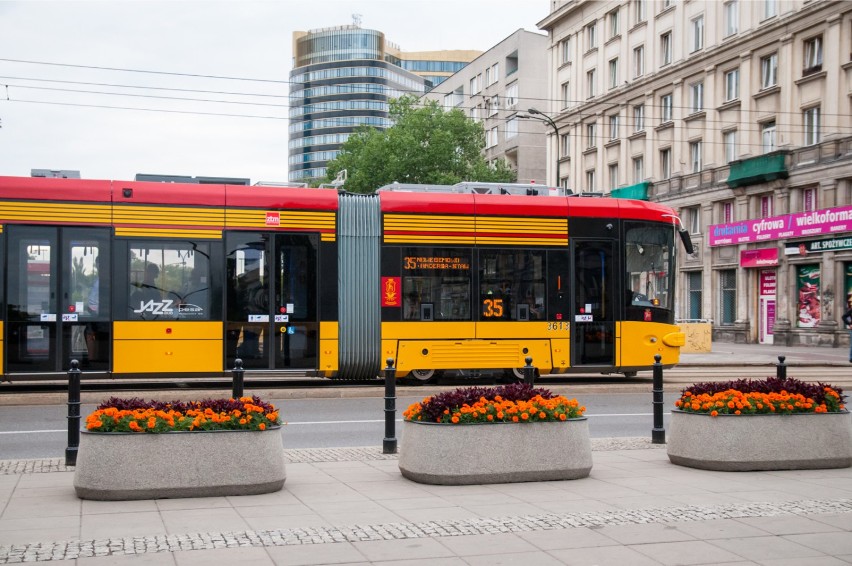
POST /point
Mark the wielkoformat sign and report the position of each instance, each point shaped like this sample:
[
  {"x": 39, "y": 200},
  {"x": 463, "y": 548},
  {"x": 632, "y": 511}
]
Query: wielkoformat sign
[{"x": 796, "y": 225}]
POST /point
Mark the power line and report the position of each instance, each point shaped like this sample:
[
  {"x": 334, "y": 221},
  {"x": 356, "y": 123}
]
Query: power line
[{"x": 149, "y": 109}]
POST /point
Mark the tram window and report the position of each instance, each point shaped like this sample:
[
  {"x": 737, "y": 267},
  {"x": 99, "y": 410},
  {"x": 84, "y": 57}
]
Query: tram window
[
  {"x": 648, "y": 259},
  {"x": 169, "y": 281},
  {"x": 436, "y": 283},
  {"x": 511, "y": 285}
]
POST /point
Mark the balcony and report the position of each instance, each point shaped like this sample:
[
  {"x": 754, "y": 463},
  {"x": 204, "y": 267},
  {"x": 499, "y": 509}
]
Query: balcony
[
  {"x": 760, "y": 169},
  {"x": 639, "y": 191}
]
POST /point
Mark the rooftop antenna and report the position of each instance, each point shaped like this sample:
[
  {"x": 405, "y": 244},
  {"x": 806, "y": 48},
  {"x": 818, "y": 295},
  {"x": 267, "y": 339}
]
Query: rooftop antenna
[{"x": 356, "y": 20}]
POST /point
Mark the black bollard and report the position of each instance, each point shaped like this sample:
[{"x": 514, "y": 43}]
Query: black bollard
[
  {"x": 781, "y": 370},
  {"x": 73, "y": 414},
  {"x": 238, "y": 372},
  {"x": 529, "y": 372},
  {"x": 658, "y": 433},
  {"x": 389, "y": 443}
]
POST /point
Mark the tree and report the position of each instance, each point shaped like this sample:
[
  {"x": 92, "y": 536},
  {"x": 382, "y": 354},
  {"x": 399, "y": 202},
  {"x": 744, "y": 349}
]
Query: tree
[{"x": 426, "y": 146}]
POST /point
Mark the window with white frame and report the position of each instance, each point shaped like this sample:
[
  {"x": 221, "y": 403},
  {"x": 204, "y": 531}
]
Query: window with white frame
[
  {"x": 728, "y": 212},
  {"x": 638, "y": 61},
  {"x": 638, "y": 117},
  {"x": 813, "y": 55},
  {"x": 697, "y": 26},
  {"x": 732, "y": 85},
  {"x": 695, "y": 155},
  {"x": 565, "y": 50},
  {"x": 591, "y": 83},
  {"x": 666, "y": 108},
  {"x": 475, "y": 112},
  {"x": 769, "y": 70},
  {"x": 491, "y": 137},
  {"x": 666, "y": 4},
  {"x": 812, "y": 133},
  {"x": 495, "y": 105},
  {"x": 564, "y": 145},
  {"x": 638, "y": 169},
  {"x": 448, "y": 102},
  {"x": 732, "y": 17},
  {"x": 487, "y": 76},
  {"x": 473, "y": 86},
  {"x": 566, "y": 94},
  {"x": 511, "y": 127},
  {"x": 613, "y": 73},
  {"x": 590, "y": 180},
  {"x": 512, "y": 95},
  {"x": 638, "y": 11},
  {"x": 770, "y": 8},
  {"x": 613, "y": 176},
  {"x": 591, "y": 135},
  {"x": 809, "y": 200},
  {"x": 766, "y": 208},
  {"x": 768, "y": 137},
  {"x": 612, "y": 19},
  {"x": 666, "y": 48},
  {"x": 693, "y": 219},
  {"x": 666, "y": 163},
  {"x": 730, "y": 139},
  {"x": 495, "y": 73},
  {"x": 613, "y": 127},
  {"x": 591, "y": 36},
  {"x": 696, "y": 97}
]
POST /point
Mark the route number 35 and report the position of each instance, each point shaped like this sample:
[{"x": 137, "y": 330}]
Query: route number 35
[{"x": 492, "y": 308}]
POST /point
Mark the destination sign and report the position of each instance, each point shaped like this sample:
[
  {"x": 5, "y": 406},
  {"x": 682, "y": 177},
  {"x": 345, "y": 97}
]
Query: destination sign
[{"x": 417, "y": 262}]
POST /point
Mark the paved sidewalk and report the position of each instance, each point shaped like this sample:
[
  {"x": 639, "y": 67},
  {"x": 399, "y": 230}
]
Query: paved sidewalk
[
  {"x": 352, "y": 506},
  {"x": 725, "y": 353}
]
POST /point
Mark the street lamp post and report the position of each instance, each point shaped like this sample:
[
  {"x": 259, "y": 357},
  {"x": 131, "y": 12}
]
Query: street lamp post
[{"x": 546, "y": 118}]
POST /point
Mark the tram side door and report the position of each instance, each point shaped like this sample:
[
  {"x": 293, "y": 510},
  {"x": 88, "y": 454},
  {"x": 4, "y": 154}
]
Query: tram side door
[
  {"x": 58, "y": 306},
  {"x": 272, "y": 300},
  {"x": 593, "y": 313}
]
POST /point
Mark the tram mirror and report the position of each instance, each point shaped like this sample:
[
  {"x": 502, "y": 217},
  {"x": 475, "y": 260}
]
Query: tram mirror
[{"x": 687, "y": 241}]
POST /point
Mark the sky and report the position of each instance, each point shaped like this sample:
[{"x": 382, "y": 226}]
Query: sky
[{"x": 232, "y": 59}]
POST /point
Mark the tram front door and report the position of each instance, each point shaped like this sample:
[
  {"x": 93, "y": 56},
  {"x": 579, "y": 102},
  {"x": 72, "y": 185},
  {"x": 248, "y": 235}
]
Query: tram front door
[
  {"x": 593, "y": 312},
  {"x": 272, "y": 300},
  {"x": 58, "y": 306}
]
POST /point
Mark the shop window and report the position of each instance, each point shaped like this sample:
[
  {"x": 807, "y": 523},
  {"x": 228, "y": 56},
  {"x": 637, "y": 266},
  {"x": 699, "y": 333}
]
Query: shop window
[
  {"x": 693, "y": 292},
  {"x": 727, "y": 296},
  {"x": 808, "y": 296}
]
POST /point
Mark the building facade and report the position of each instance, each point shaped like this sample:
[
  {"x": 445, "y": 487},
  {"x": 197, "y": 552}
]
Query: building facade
[
  {"x": 497, "y": 89},
  {"x": 343, "y": 78},
  {"x": 737, "y": 114}
]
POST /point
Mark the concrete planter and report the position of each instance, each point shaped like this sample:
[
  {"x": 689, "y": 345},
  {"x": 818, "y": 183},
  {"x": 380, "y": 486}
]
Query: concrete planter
[
  {"x": 120, "y": 466},
  {"x": 448, "y": 454},
  {"x": 761, "y": 442}
]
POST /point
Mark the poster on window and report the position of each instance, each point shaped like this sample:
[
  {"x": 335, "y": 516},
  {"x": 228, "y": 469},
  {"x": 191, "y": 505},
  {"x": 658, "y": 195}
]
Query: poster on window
[
  {"x": 848, "y": 282},
  {"x": 808, "y": 292}
]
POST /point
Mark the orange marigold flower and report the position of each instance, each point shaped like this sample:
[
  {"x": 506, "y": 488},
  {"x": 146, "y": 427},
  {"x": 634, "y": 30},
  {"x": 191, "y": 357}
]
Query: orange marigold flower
[
  {"x": 261, "y": 426},
  {"x": 714, "y": 413}
]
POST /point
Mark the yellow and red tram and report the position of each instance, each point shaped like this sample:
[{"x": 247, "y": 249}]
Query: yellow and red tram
[{"x": 142, "y": 279}]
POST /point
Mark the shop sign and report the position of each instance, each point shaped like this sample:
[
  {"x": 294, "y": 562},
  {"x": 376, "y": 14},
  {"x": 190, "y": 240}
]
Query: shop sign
[
  {"x": 767, "y": 283},
  {"x": 763, "y": 257},
  {"x": 800, "y": 224},
  {"x": 817, "y": 246}
]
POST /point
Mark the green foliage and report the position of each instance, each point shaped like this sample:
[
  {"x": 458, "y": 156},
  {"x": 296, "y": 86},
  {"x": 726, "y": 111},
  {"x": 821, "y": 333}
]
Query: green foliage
[{"x": 426, "y": 145}]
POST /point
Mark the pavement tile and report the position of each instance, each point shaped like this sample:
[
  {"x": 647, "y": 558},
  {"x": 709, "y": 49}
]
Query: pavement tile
[
  {"x": 686, "y": 553},
  {"x": 495, "y": 544},
  {"x": 203, "y": 520},
  {"x": 603, "y": 556},
  {"x": 286, "y": 522},
  {"x": 448, "y": 513},
  {"x": 91, "y": 507},
  {"x": 556, "y": 539},
  {"x": 243, "y": 556},
  {"x": 309, "y": 554},
  {"x": 648, "y": 533},
  {"x": 839, "y": 520},
  {"x": 315, "y": 493},
  {"x": 814, "y": 561},
  {"x": 787, "y": 525},
  {"x": 833, "y": 543},
  {"x": 282, "y": 497},
  {"x": 719, "y": 529},
  {"x": 505, "y": 509},
  {"x": 154, "y": 559},
  {"x": 119, "y": 525},
  {"x": 31, "y": 536},
  {"x": 538, "y": 558},
  {"x": 454, "y": 561},
  {"x": 51, "y": 506},
  {"x": 761, "y": 549},
  {"x": 379, "y": 550},
  {"x": 192, "y": 503}
]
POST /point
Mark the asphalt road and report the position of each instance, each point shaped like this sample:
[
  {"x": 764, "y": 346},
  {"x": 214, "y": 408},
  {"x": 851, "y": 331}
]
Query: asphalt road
[{"x": 40, "y": 431}]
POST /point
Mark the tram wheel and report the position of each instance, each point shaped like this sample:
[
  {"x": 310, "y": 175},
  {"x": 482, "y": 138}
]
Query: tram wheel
[
  {"x": 422, "y": 376},
  {"x": 517, "y": 374},
  {"x": 630, "y": 374}
]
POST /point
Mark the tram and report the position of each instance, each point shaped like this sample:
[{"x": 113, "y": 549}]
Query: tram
[{"x": 144, "y": 279}]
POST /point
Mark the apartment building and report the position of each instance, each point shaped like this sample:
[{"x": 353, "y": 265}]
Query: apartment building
[
  {"x": 343, "y": 78},
  {"x": 737, "y": 114},
  {"x": 498, "y": 88}
]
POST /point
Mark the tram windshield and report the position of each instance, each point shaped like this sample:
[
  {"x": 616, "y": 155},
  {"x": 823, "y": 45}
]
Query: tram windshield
[{"x": 648, "y": 252}]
